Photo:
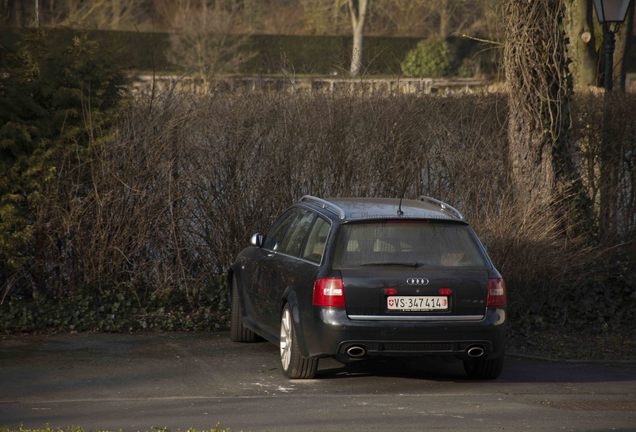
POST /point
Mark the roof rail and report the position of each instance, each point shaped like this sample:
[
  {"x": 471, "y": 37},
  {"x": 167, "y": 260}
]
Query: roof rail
[
  {"x": 325, "y": 204},
  {"x": 441, "y": 204}
]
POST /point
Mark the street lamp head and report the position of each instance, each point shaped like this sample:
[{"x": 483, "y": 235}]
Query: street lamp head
[{"x": 611, "y": 11}]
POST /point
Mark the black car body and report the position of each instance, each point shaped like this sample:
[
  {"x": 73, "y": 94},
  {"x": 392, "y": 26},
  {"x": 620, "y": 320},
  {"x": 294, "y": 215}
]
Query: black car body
[{"x": 352, "y": 278}]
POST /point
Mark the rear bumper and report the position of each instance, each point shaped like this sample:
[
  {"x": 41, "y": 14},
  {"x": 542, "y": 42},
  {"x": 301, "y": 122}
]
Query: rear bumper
[{"x": 336, "y": 332}]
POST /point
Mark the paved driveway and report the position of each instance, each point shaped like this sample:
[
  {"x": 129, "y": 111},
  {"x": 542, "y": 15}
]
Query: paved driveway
[{"x": 180, "y": 380}]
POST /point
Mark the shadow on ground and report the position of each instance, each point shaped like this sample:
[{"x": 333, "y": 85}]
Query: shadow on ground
[{"x": 516, "y": 370}]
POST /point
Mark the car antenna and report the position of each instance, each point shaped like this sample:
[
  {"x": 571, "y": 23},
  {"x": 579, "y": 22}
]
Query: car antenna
[{"x": 400, "y": 213}]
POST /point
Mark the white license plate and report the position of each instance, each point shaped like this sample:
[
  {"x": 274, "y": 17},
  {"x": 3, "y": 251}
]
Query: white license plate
[{"x": 417, "y": 303}]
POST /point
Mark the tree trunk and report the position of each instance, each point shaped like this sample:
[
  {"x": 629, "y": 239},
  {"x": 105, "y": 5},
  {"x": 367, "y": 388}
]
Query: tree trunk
[
  {"x": 358, "y": 11},
  {"x": 36, "y": 14},
  {"x": 356, "y": 54},
  {"x": 540, "y": 151},
  {"x": 535, "y": 66},
  {"x": 581, "y": 43},
  {"x": 623, "y": 45}
]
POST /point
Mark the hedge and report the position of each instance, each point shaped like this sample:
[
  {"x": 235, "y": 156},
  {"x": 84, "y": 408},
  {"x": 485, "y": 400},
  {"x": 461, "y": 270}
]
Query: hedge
[
  {"x": 176, "y": 194},
  {"x": 275, "y": 54}
]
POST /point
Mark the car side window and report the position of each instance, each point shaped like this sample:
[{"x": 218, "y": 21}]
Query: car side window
[
  {"x": 297, "y": 233},
  {"x": 277, "y": 232},
  {"x": 315, "y": 246}
]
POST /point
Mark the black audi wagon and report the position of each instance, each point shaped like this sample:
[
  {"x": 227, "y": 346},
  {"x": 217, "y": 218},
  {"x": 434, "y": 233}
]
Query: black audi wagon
[{"x": 355, "y": 278}]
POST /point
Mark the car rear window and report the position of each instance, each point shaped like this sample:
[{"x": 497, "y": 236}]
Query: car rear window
[{"x": 416, "y": 243}]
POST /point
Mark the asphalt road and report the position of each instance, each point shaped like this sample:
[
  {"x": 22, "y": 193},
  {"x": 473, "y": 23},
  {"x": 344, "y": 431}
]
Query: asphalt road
[{"x": 198, "y": 380}]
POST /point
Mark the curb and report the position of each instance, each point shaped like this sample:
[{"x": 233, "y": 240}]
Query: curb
[{"x": 581, "y": 361}]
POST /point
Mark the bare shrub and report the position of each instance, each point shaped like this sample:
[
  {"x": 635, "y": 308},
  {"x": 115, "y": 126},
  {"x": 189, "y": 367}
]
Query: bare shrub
[
  {"x": 540, "y": 263},
  {"x": 178, "y": 192},
  {"x": 619, "y": 124},
  {"x": 188, "y": 178},
  {"x": 121, "y": 231}
]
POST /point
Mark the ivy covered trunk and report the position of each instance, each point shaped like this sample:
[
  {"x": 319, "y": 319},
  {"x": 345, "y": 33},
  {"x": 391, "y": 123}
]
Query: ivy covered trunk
[{"x": 536, "y": 67}]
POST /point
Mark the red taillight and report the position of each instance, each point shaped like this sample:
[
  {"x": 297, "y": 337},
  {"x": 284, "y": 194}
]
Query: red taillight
[
  {"x": 445, "y": 291},
  {"x": 329, "y": 292},
  {"x": 390, "y": 291},
  {"x": 496, "y": 293}
]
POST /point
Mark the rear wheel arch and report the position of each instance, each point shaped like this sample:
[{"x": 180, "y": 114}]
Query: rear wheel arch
[
  {"x": 290, "y": 298},
  {"x": 294, "y": 364}
]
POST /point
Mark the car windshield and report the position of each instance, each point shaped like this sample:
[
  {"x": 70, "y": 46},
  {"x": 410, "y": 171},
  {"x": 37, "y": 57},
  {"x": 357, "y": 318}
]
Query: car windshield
[{"x": 406, "y": 243}]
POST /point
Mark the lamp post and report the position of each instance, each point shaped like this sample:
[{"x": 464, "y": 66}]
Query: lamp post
[{"x": 610, "y": 13}]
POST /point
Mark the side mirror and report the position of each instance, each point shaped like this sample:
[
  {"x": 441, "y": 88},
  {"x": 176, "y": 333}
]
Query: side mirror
[{"x": 257, "y": 240}]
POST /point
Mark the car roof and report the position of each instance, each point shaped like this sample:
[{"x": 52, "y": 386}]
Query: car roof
[{"x": 351, "y": 209}]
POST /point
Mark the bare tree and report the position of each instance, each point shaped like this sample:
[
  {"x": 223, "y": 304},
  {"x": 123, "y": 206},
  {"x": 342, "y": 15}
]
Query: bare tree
[
  {"x": 443, "y": 18},
  {"x": 204, "y": 43},
  {"x": 14, "y": 12},
  {"x": 325, "y": 16},
  {"x": 402, "y": 17},
  {"x": 358, "y": 12},
  {"x": 100, "y": 14}
]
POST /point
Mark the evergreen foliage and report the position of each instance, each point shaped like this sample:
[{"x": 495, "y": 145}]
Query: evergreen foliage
[
  {"x": 54, "y": 101},
  {"x": 431, "y": 58}
]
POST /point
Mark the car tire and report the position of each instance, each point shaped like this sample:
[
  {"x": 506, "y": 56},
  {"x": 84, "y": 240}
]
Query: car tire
[
  {"x": 238, "y": 332},
  {"x": 483, "y": 367},
  {"x": 293, "y": 363}
]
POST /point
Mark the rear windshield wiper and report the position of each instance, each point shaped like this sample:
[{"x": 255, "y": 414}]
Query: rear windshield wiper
[{"x": 403, "y": 264}]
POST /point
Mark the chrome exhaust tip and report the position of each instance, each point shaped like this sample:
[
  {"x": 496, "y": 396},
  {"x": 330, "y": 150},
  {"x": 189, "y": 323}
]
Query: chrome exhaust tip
[
  {"x": 475, "y": 351},
  {"x": 356, "y": 351}
]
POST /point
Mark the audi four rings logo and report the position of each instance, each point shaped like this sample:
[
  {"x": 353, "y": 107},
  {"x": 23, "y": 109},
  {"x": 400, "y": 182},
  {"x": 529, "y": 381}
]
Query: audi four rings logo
[{"x": 417, "y": 281}]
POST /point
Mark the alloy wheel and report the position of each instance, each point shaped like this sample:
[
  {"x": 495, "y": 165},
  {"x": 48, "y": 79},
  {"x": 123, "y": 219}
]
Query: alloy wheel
[{"x": 285, "y": 339}]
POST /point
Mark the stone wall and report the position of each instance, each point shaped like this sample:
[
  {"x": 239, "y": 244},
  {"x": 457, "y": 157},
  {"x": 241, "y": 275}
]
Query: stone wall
[{"x": 361, "y": 86}]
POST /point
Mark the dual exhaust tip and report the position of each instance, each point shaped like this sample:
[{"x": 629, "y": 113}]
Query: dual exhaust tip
[{"x": 359, "y": 351}]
